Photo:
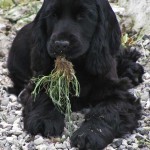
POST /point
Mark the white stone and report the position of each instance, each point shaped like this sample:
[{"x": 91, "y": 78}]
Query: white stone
[
  {"x": 51, "y": 147},
  {"x": 18, "y": 113},
  {"x": 14, "y": 147},
  {"x": 2, "y": 26},
  {"x": 13, "y": 98},
  {"x": 107, "y": 148},
  {"x": 134, "y": 145},
  {"x": 117, "y": 9},
  {"x": 42, "y": 147},
  {"x": 2, "y": 142},
  {"x": 38, "y": 141},
  {"x": 146, "y": 42},
  {"x": 16, "y": 131},
  {"x": 58, "y": 145},
  {"x": 25, "y": 147},
  {"x": 146, "y": 76},
  {"x": 73, "y": 149},
  {"x": 139, "y": 11},
  {"x": 66, "y": 144},
  {"x": 9, "y": 139},
  {"x": 124, "y": 142},
  {"x": 5, "y": 101},
  {"x": 17, "y": 122},
  {"x": 148, "y": 104}
]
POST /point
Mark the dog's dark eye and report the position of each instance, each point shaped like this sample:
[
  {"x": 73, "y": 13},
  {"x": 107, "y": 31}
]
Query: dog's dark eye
[
  {"x": 79, "y": 13},
  {"x": 54, "y": 14},
  {"x": 80, "y": 16}
]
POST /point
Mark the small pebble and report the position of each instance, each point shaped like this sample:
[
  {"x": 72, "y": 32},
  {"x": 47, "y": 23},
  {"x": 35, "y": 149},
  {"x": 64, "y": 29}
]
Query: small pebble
[
  {"x": 5, "y": 101},
  {"x": 38, "y": 141},
  {"x": 2, "y": 54},
  {"x": 58, "y": 145},
  {"x": 42, "y": 147},
  {"x": 13, "y": 98},
  {"x": 118, "y": 143},
  {"x": 9, "y": 139},
  {"x": 11, "y": 119}
]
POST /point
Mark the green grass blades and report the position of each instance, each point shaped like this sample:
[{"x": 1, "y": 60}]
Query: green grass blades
[{"x": 59, "y": 85}]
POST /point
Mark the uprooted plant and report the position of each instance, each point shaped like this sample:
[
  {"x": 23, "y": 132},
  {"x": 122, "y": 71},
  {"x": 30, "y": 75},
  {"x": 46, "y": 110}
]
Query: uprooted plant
[{"x": 59, "y": 85}]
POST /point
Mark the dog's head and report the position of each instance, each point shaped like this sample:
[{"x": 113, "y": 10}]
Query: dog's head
[{"x": 76, "y": 27}]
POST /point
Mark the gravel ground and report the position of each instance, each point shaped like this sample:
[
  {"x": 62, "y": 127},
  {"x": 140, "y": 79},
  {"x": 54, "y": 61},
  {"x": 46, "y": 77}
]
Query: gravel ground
[{"x": 12, "y": 135}]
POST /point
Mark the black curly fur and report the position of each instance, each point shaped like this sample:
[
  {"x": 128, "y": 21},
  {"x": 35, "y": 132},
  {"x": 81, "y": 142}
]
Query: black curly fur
[
  {"x": 128, "y": 67},
  {"x": 94, "y": 36}
]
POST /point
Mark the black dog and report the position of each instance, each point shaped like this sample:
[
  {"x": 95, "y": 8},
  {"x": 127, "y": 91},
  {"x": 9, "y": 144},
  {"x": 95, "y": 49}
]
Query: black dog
[{"x": 87, "y": 33}]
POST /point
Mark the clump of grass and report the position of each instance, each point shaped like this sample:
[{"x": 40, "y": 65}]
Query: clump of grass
[
  {"x": 59, "y": 85},
  {"x": 126, "y": 40}
]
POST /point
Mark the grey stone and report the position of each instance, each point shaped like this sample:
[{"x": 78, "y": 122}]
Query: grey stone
[
  {"x": 118, "y": 142},
  {"x": 5, "y": 101},
  {"x": 2, "y": 142},
  {"x": 148, "y": 46},
  {"x": 130, "y": 148},
  {"x": 31, "y": 146},
  {"x": 145, "y": 96},
  {"x": 7, "y": 147},
  {"x": 2, "y": 54},
  {"x": 28, "y": 138},
  {"x": 129, "y": 142},
  {"x": 144, "y": 132},
  {"x": 11, "y": 119},
  {"x": 141, "y": 145},
  {"x": 4, "y": 65},
  {"x": 146, "y": 36}
]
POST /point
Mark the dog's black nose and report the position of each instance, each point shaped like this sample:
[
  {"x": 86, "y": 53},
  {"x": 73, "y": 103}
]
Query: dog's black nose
[{"x": 61, "y": 46}]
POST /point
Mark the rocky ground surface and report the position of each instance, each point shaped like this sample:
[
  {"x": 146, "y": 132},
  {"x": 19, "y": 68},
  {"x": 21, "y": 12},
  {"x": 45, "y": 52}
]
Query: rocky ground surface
[{"x": 12, "y": 135}]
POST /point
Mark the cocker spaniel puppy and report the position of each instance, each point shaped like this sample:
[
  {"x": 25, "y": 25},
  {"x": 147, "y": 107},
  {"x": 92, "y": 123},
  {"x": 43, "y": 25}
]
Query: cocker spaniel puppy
[{"x": 87, "y": 33}]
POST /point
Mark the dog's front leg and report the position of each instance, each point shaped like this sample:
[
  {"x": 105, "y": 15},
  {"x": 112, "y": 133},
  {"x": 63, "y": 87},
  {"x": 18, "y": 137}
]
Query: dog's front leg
[
  {"x": 115, "y": 115},
  {"x": 40, "y": 115}
]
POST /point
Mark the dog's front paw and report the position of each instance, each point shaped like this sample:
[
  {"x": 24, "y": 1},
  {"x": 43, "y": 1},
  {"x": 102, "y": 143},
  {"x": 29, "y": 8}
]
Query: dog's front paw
[
  {"x": 88, "y": 138},
  {"x": 45, "y": 124},
  {"x": 134, "y": 72}
]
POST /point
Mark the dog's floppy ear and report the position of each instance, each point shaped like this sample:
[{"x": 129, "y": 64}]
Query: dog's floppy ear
[
  {"x": 106, "y": 40},
  {"x": 39, "y": 53}
]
